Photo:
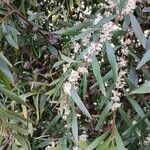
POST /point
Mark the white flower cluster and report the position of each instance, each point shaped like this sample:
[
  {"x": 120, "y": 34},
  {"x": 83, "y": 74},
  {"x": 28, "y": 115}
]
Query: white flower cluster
[
  {"x": 66, "y": 111},
  {"x": 131, "y": 5},
  {"x": 95, "y": 48},
  {"x": 124, "y": 49},
  {"x": 73, "y": 79},
  {"x": 147, "y": 140},
  {"x": 107, "y": 29},
  {"x": 120, "y": 83},
  {"x": 92, "y": 49},
  {"x": 86, "y": 39}
]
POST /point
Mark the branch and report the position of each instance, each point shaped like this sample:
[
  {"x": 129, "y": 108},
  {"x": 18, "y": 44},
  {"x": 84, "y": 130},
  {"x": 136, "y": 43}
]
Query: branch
[{"x": 26, "y": 20}]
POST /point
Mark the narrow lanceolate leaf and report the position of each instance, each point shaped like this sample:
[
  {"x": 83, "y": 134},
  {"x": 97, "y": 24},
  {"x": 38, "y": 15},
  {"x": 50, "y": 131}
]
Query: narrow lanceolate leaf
[
  {"x": 103, "y": 116},
  {"x": 119, "y": 141},
  {"x": 5, "y": 70},
  {"x": 9, "y": 37},
  {"x": 97, "y": 141},
  {"x": 74, "y": 125},
  {"x": 122, "y": 4},
  {"x": 112, "y": 59},
  {"x": 97, "y": 74},
  {"x": 144, "y": 88},
  {"x": 67, "y": 59},
  {"x": 144, "y": 60},
  {"x": 137, "y": 108},
  {"x": 146, "y": 9},
  {"x": 138, "y": 31},
  {"x": 2, "y": 57},
  {"x": 133, "y": 77},
  {"x": 133, "y": 127},
  {"x": 13, "y": 115},
  {"x": 18, "y": 129},
  {"x": 78, "y": 2},
  {"x": 12, "y": 96},
  {"x": 79, "y": 103},
  {"x": 51, "y": 124}
]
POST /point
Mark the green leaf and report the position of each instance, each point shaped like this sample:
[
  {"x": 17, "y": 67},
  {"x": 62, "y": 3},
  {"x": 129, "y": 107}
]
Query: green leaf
[
  {"x": 137, "y": 108},
  {"x": 12, "y": 115},
  {"x": 12, "y": 96},
  {"x": 75, "y": 29},
  {"x": 53, "y": 50},
  {"x": 74, "y": 125},
  {"x": 122, "y": 4},
  {"x": 67, "y": 59},
  {"x": 133, "y": 76},
  {"x": 52, "y": 123},
  {"x": 97, "y": 74},
  {"x": 79, "y": 103},
  {"x": 138, "y": 31},
  {"x": 2, "y": 57},
  {"x": 145, "y": 59},
  {"x": 103, "y": 116},
  {"x": 97, "y": 141},
  {"x": 119, "y": 141},
  {"x": 133, "y": 127},
  {"x": 71, "y": 5},
  {"x": 144, "y": 88},
  {"x": 78, "y": 2},
  {"x": 18, "y": 129},
  {"x": 9, "y": 37},
  {"x": 146, "y": 9},
  {"x": 112, "y": 60},
  {"x": 5, "y": 69}
]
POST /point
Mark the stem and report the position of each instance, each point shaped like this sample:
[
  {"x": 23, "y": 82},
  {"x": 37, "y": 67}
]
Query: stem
[{"x": 6, "y": 16}]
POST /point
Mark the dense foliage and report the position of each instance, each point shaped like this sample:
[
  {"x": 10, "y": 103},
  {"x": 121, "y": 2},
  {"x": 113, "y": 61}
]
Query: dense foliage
[{"x": 74, "y": 74}]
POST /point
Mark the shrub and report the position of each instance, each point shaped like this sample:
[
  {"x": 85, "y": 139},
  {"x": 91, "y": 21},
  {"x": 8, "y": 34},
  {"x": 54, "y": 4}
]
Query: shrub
[{"x": 74, "y": 75}]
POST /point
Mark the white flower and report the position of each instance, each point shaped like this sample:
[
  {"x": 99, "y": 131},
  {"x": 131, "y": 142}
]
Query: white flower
[
  {"x": 76, "y": 48},
  {"x": 74, "y": 76},
  {"x": 48, "y": 148},
  {"x": 131, "y": 5},
  {"x": 67, "y": 88},
  {"x": 97, "y": 19},
  {"x": 75, "y": 148},
  {"x": 111, "y": 3},
  {"x": 116, "y": 96},
  {"x": 66, "y": 111},
  {"x": 83, "y": 70},
  {"x": 122, "y": 62},
  {"x": 124, "y": 51},
  {"x": 51, "y": 147},
  {"x": 65, "y": 67},
  {"x": 83, "y": 137},
  {"x": 147, "y": 140},
  {"x": 115, "y": 106}
]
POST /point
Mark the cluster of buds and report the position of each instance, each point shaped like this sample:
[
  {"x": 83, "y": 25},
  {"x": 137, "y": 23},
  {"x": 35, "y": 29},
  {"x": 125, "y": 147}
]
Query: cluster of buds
[
  {"x": 105, "y": 35},
  {"x": 120, "y": 83}
]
